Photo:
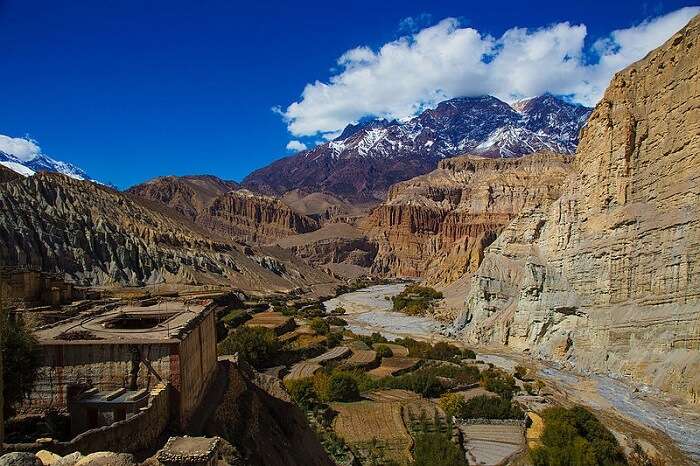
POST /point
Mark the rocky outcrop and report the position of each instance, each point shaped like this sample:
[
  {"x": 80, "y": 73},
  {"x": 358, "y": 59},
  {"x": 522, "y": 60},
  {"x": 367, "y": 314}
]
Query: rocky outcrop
[
  {"x": 99, "y": 236},
  {"x": 222, "y": 207},
  {"x": 607, "y": 278},
  {"x": 437, "y": 226}
]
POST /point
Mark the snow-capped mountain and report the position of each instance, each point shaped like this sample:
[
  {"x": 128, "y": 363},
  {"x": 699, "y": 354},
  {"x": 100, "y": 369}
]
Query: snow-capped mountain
[
  {"x": 368, "y": 157},
  {"x": 41, "y": 163}
]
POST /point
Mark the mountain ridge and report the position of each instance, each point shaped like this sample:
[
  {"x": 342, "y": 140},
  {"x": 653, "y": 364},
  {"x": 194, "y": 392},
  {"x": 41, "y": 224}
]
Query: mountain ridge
[{"x": 368, "y": 157}]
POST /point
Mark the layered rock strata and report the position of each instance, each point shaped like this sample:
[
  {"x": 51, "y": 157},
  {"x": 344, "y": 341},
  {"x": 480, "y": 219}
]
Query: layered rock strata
[
  {"x": 608, "y": 277},
  {"x": 436, "y": 226}
]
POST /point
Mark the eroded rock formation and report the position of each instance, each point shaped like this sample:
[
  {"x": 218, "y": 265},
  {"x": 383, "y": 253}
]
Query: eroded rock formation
[
  {"x": 221, "y": 206},
  {"x": 608, "y": 277},
  {"x": 99, "y": 236},
  {"x": 436, "y": 226}
]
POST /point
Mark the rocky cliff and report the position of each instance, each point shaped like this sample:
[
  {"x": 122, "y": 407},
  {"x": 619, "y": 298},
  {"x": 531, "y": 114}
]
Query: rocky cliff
[
  {"x": 436, "y": 226},
  {"x": 608, "y": 277},
  {"x": 99, "y": 236},
  {"x": 221, "y": 206}
]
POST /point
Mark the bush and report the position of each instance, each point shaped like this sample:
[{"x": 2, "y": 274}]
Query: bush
[
  {"x": 302, "y": 392},
  {"x": 575, "y": 437},
  {"x": 437, "y": 449},
  {"x": 342, "y": 387},
  {"x": 498, "y": 382},
  {"x": 520, "y": 372},
  {"x": 415, "y": 299},
  {"x": 235, "y": 318},
  {"x": 440, "y": 351},
  {"x": 338, "y": 311},
  {"x": 490, "y": 407},
  {"x": 320, "y": 326},
  {"x": 451, "y": 403},
  {"x": 256, "y": 345},
  {"x": 372, "y": 339},
  {"x": 337, "y": 321},
  {"x": 333, "y": 339},
  {"x": 384, "y": 351},
  {"x": 20, "y": 360},
  {"x": 468, "y": 354}
]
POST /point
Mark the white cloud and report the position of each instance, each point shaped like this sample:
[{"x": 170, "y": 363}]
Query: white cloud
[
  {"x": 296, "y": 146},
  {"x": 23, "y": 149},
  {"x": 447, "y": 60}
]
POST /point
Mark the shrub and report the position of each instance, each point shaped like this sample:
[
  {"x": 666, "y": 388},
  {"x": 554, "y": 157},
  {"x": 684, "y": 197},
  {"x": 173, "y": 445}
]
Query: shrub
[
  {"x": 376, "y": 337},
  {"x": 415, "y": 299},
  {"x": 342, "y": 387},
  {"x": 575, "y": 437},
  {"x": 256, "y": 345},
  {"x": 437, "y": 449},
  {"x": 384, "y": 351},
  {"x": 20, "y": 360},
  {"x": 235, "y": 318},
  {"x": 302, "y": 391},
  {"x": 520, "y": 372},
  {"x": 320, "y": 326},
  {"x": 489, "y": 407},
  {"x": 420, "y": 349},
  {"x": 334, "y": 320},
  {"x": 333, "y": 339},
  {"x": 321, "y": 387},
  {"x": 338, "y": 311},
  {"x": 468, "y": 354},
  {"x": 451, "y": 403},
  {"x": 498, "y": 382},
  {"x": 444, "y": 351}
]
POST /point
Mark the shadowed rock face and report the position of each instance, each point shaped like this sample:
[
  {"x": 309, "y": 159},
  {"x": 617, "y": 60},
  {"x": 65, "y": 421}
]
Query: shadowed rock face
[
  {"x": 99, "y": 236},
  {"x": 437, "y": 226},
  {"x": 607, "y": 277},
  {"x": 224, "y": 208}
]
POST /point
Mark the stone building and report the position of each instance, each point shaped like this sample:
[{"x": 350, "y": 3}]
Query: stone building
[
  {"x": 114, "y": 350},
  {"x": 23, "y": 287}
]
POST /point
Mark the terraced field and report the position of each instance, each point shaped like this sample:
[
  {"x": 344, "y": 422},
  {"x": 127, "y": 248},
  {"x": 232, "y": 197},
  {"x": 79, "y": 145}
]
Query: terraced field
[
  {"x": 421, "y": 413},
  {"x": 397, "y": 350},
  {"x": 365, "y": 425},
  {"x": 492, "y": 444},
  {"x": 394, "y": 366},
  {"x": 361, "y": 358},
  {"x": 303, "y": 369},
  {"x": 332, "y": 354},
  {"x": 396, "y": 395}
]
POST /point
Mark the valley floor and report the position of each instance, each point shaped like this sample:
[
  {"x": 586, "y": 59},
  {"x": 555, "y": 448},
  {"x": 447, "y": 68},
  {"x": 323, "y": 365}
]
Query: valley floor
[{"x": 665, "y": 425}]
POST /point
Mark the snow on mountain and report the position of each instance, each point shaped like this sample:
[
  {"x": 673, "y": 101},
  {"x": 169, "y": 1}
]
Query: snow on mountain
[
  {"x": 24, "y": 157},
  {"x": 369, "y": 156}
]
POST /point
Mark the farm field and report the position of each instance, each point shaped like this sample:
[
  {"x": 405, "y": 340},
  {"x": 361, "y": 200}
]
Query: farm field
[
  {"x": 367, "y": 424},
  {"x": 397, "y": 350},
  {"x": 394, "y": 366}
]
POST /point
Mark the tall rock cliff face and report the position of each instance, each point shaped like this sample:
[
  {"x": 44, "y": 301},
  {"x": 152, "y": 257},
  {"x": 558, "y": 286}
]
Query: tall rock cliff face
[
  {"x": 608, "y": 277},
  {"x": 436, "y": 226},
  {"x": 223, "y": 207},
  {"x": 99, "y": 236}
]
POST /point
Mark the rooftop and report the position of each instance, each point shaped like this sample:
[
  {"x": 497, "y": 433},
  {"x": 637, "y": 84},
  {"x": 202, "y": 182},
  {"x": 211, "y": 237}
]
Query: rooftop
[
  {"x": 163, "y": 321},
  {"x": 188, "y": 450}
]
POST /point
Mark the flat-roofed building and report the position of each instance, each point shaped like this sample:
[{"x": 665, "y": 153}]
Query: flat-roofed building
[{"x": 128, "y": 347}]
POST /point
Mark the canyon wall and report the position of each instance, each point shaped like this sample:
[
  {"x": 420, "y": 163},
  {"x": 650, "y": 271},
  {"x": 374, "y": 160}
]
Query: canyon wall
[
  {"x": 608, "y": 277},
  {"x": 226, "y": 209},
  {"x": 436, "y": 226}
]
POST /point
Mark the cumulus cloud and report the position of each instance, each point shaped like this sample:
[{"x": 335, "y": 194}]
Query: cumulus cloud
[
  {"x": 447, "y": 60},
  {"x": 296, "y": 146},
  {"x": 24, "y": 149}
]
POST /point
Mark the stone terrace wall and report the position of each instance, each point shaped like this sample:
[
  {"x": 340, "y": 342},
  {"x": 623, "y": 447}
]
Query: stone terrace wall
[{"x": 137, "y": 433}]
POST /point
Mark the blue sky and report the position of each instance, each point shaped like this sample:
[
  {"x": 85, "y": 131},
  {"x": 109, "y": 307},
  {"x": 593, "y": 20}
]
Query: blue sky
[{"x": 130, "y": 90}]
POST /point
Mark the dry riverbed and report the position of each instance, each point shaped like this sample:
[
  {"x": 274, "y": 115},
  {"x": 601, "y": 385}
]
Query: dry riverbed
[{"x": 659, "y": 424}]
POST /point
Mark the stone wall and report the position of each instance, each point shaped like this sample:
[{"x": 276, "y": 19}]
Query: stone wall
[
  {"x": 137, "y": 433},
  {"x": 197, "y": 363},
  {"x": 21, "y": 286},
  {"x": 100, "y": 364}
]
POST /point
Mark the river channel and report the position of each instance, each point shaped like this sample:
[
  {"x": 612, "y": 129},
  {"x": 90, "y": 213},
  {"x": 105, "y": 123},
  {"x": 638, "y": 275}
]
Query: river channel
[{"x": 368, "y": 310}]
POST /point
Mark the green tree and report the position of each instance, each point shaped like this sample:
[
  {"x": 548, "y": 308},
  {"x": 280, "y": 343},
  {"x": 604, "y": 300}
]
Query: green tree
[
  {"x": 437, "y": 449},
  {"x": 384, "y": 351},
  {"x": 342, "y": 387},
  {"x": 20, "y": 360},
  {"x": 255, "y": 345},
  {"x": 320, "y": 326}
]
